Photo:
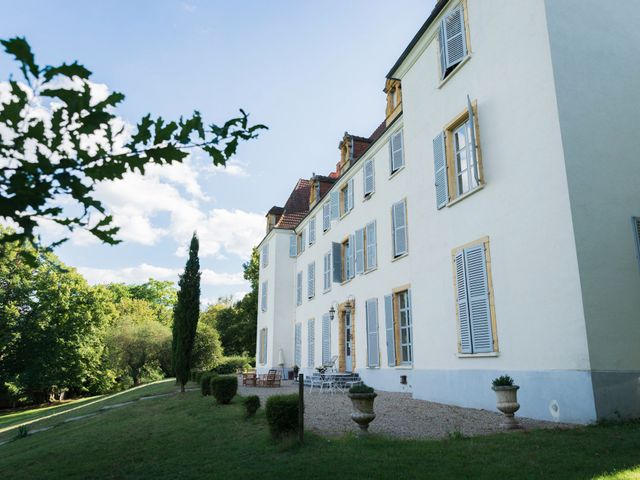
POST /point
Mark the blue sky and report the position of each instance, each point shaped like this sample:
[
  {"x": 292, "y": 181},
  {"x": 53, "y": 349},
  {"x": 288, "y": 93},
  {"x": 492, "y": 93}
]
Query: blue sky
[{"x": 308, "y": 69}]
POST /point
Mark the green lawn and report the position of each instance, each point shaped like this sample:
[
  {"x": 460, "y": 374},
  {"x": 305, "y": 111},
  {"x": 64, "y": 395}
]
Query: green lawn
[
  {"x": 188, "y": 436},
  {"x": 91, "y": 405}
]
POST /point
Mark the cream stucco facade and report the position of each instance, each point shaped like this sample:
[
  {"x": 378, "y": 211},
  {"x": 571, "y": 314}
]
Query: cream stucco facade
[{"x": 553, "y": 210}]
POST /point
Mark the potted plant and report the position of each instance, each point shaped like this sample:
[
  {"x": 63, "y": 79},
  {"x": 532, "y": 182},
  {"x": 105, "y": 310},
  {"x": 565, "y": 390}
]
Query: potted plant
[
  {"x": 507, "y": 400},
  {"x": 362, "y": 397}
]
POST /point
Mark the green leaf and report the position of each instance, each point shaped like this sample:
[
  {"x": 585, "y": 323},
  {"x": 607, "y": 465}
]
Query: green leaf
[
  {"x": 21, "y": 50},
  {"x": 70, "y": 71},
  {"x": 143, "y": 134}
]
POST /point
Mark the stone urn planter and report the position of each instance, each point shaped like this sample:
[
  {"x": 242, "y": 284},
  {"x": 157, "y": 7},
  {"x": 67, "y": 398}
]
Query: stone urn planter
[
  {"x": 363, "y": 413},
  {"x": 507, "y": 403}
]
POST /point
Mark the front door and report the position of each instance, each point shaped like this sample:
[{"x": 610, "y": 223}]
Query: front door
[{"x": 348, "y": 339}]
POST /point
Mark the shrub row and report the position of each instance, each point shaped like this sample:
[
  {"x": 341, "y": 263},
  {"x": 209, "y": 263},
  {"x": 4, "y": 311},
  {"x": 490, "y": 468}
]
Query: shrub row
[{"x": 228, "y": 365}]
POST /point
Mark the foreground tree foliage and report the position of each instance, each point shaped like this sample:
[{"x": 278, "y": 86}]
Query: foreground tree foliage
[
  {"x": 59, "y": 137},
  {"x": 185, "y": 315}
]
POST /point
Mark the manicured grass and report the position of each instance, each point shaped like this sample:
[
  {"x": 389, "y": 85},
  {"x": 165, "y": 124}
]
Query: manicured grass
[
  {"x": 91, "y": 405},
  {"x": 189, "y": 436},
  {"x": 14, "y": 417}
]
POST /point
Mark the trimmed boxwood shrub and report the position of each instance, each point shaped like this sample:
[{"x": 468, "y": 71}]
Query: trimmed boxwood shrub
[
  {"x": 282, "y": 414},
  {"x": 251, "y": 405},
  {"x": 228, "y": 365},
  {"x": 224, "y": 388},
  {"x": 205, "y": 382},
  {"x": 362, "y": 388}
]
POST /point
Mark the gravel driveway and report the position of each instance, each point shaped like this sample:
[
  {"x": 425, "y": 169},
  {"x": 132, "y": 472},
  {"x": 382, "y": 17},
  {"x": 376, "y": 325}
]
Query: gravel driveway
[{"x": 398, "y": 415}]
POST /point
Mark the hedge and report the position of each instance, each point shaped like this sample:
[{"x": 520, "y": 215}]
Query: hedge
[
  {"x": 205, "y": 382},
  {"x": 228, "y": 365},
  {"x": 251, "y": 405},
  {"x": 224, "y": 388},
  {"x": 282, "y": 414}
]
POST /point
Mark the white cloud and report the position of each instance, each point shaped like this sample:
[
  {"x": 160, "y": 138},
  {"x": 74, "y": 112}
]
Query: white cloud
[
  {"x": 230, "y": 231},
  {"x": 233, "y": 168},
  {"x": 141, "y": 273}
]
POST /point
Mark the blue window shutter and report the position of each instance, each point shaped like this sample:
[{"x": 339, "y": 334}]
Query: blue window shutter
[
  {"x": 390, "y": 331},
  {"x": 372, "y": 248},
  {"x": 264, "y": 297},
  {"x": 298, "y": 345},
  {"x": 463, "y": 306},
  {"x": 303, "y": 239},
  {"x": 326, "y": 216},
  {"x": 368, "y": 176},
  {"x": 336, "y": 256},
  {"x": 399, "y": 228},
  {"x": 397, "y": 151},
  {"x": 311, "y": 280},
  {"x": 326, "y": 338},
  {"x": 265, "y": 255},
  {"x": 351, "y": 194},
  {"x": 443, "y": 48},
  {"x": 472, "y": 134},
  {"x": 360, "y": 251},
  {"x": 312, "y": 231},
  {"x": 351, "y": 257},
  {"x": 311, "y": 343},
  {"x": 440, "y": 168},
  {"x": 478, "y": 298},
  {"x": 299, "y": 288},
  {"x": 636, "y": 231},
  {"x": 455, "y": 39},
  {"x": 373, "y": 354},
  {"x": 293, "y": 246},
  {"x": 335, "y": 205}
]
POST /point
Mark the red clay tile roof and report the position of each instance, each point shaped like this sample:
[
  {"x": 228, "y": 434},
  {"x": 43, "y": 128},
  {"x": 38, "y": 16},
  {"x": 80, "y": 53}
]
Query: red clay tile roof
[{"x": 297, "y": 206}]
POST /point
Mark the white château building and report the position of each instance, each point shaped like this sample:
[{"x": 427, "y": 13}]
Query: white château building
[{"x": 490, "y": 224}]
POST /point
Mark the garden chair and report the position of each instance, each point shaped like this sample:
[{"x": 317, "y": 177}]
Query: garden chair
[
  {"x": 331, "y": 364},
  {"x": 249, "y": 379}
]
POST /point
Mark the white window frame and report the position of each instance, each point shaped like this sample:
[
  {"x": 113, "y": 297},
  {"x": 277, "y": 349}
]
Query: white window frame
[{"x": 470, "y": 172}]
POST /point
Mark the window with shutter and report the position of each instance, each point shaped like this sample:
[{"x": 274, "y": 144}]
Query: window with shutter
[
  {"x": 636, "y": 233},
  {"x": 303, "y": 240},
  {"x": 298, "y": 345},
  {"x": 326, "y": 216},
  {"x": 350, "y": 255},
  {"x": 457, "y": 158},
  {"x": 359, "y": 250},
  {"x": 311, "y": 280},
  {"x": 396, "y": 151},
  {"x": 293, "y": 245},
  {"x": 399, "y": 217},
  {"x": 337, "y": 261},
  {"x": 312, "y": 231},
  {"x": 453, "y": 41},
  {"x": 327, "y": 272},
  {"x": 335, "y": 205},
  {"x": 372, "y": 248},
  {"x": 368, "y": 177},
  {"x": 263, "y": 299},
  {"x": 390, "y": 330},
  {"x": 326, "y": 338},
  {"x": 346, "y": 198},
  {"x": 371, "y": 312},
  {"x": 475, "y": 323},
  {"x": 405, "y": 326},
  {"x": 311, "y": 343},
  {"x": 299, "y": 288},
  {"x": 265, "y": 255}
]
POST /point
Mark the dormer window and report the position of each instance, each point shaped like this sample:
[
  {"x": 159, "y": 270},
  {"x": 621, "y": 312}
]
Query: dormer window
[{"x": 393, "y": 89}]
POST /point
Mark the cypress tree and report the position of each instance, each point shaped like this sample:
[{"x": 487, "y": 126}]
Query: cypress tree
[{"x": 185, "y": 314}]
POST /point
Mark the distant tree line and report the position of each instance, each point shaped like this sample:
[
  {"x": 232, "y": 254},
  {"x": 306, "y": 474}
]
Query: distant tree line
[{"x": 61, "y": 337}]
